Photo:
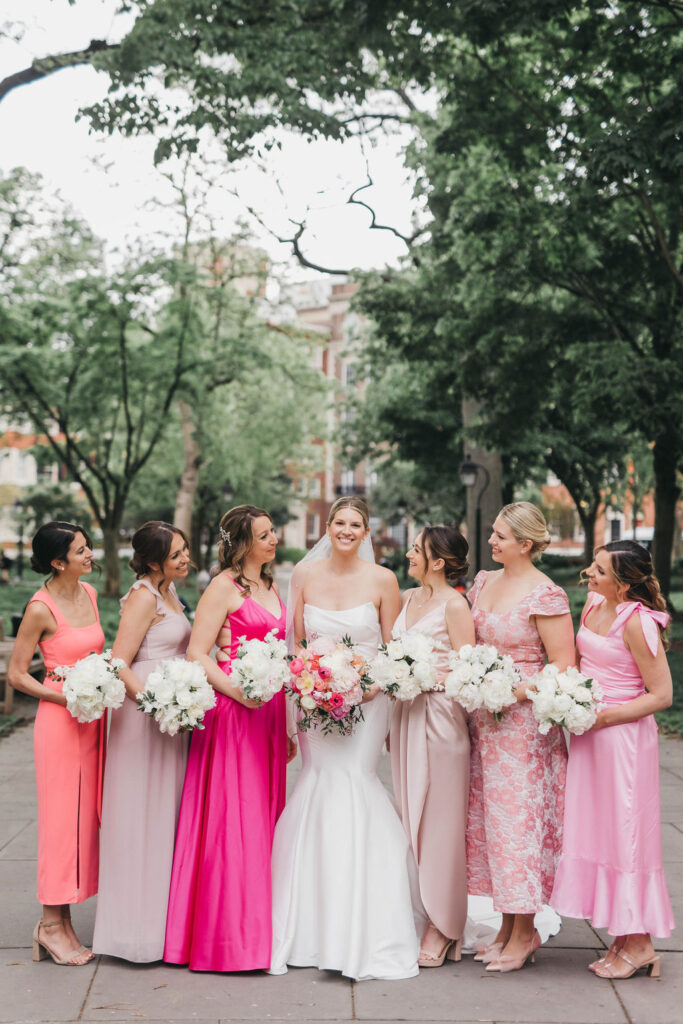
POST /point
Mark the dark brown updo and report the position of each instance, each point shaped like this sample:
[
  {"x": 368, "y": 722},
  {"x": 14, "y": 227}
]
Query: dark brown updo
[
  {"x": 53, "y": 541},
  {"x": 448, "y": 543},
  {"x": 151, "y": 545},
  {"x": 236, "y": 537},
  {"x": 632, "y": 569}
]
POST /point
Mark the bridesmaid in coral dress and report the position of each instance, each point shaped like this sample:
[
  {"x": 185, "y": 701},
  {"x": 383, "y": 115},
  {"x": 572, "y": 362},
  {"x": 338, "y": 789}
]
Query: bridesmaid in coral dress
[
  {"x": 514, "y": 828},
  {"x": 143, "y": 780},
  {"x": 430, "y": 745},
  {"x": 219, "y": 913},
  {"x": 611, "y": 865},
  {"x": 62, "y": 619}
]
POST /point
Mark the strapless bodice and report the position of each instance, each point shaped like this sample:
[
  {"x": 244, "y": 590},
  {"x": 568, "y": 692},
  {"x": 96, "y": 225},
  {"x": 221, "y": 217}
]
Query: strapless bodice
[{"x": 360, "y": 624}]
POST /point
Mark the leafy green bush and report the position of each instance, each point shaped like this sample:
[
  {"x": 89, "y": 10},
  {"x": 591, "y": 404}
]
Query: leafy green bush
[{"x": 285, "y": 554}]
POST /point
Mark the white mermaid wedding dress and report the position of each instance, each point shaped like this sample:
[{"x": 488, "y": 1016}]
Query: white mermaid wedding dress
[{"x": 344, "y": 881}]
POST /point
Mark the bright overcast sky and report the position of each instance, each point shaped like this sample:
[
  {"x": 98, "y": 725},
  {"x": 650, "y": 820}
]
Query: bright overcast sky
[{"x": 38, "y": 130}]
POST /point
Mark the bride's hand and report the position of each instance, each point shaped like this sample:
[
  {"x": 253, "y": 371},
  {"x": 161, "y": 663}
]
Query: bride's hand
[
  {"x": 370, "y": 694},
  {"x": 292, "y": 748}
]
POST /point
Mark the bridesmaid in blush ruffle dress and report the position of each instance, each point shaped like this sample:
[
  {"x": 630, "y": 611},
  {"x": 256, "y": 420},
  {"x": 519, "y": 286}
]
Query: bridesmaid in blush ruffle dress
[
  {"x": 430, "y": 745},
  {"x": 62, "y": 619},
  {"x": 611, "y": 865},
  {"x": 219, "y": 912},
  {"x": 143, "y": 780},
  {"x": 517, "y": 776}
]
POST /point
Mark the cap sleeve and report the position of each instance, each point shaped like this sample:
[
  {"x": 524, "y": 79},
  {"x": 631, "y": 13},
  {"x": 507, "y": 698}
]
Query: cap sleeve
[
  {"x": 161, "y": 607},
  {"x": 548, "y": 599},
  {"x": 479, "y": 581}
]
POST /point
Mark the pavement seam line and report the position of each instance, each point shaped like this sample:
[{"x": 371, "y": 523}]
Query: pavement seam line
[
  {"x": 89, "y": 989},
  {"x": 353, "y": 1001},
  {"x": 20, "y": 832}
]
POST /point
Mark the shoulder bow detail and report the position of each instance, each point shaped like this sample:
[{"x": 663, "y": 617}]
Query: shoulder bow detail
[{"x": 650, "y": 619}]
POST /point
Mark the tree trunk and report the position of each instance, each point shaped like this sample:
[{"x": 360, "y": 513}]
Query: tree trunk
[
  {"x": 588, "y": 517},
  {"x": 488, "y": 496},
  {"x": 112, "y": 567},
  {"x": 189, "y": 481},
  {"x": 665, "y": 460}
]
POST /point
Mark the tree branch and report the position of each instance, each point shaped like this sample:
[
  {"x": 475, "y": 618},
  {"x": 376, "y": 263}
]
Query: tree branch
[
  {"x": 408, "y": 240},
  {"x": 44, "y": 66},
  {"x": 654, "y": 220}
]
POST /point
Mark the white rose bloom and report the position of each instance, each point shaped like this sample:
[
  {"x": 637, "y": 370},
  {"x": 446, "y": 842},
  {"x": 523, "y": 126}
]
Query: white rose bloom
[
  {"x": 395, "y": 649},
  {"x": 308, "y": 704},
  {"x": 578, "y": 719},
  {"x": 400, "y": 671}
]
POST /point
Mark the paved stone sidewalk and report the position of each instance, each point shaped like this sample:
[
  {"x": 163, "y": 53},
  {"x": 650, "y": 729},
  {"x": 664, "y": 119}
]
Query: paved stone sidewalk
[{"x": 557, "y": 990}]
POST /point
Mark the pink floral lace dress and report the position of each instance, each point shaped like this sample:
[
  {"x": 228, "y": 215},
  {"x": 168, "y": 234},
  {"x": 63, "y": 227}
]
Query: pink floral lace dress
[{"x": 517, "y": 776}]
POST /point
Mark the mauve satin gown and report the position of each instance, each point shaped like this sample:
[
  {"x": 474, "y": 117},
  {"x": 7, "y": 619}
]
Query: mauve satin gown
[
  {"x": 611, "y": 866},
  {"x": 430, "y": 765},
  {"x": 219, "y": 911},
  {"x": 69, "y": 758},
  {"x": 143, "y": 782}
]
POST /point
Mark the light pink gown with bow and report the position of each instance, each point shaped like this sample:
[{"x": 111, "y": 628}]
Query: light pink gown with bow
[
  {"x": 430, "y": 764},
  {"x": 611, "y": 865}
]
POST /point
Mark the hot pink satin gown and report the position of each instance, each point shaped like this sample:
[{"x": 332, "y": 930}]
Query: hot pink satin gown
[
  {"x": 219, "y": 910},
  {"x": 611, "y": 866},
  {"x": 517, "y": 776},
  {"x": 69, "y": 758},
  {"x": 430, "y": 765}
]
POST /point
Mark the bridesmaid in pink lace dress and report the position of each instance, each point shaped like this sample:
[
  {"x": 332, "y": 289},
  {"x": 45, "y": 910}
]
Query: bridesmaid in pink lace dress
[
  {"x": 611, "y": 865},
  {"x": 219, "y": 911},
  {"x": 514, "y": 829},
  {"x": 62, "y": 619},
  {"x": 430, "y": 745}
]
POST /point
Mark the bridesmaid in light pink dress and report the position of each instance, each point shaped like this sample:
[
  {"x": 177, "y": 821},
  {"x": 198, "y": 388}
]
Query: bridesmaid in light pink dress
[
  {"x": 219, "y": 912},
  {"x": 514, "y": 829},
  {"x": 63, "y": 620},
  {"x": 430, "y": 745},
  {"x": 611, "y": 866},
  {"x": 143, "y": 780}
]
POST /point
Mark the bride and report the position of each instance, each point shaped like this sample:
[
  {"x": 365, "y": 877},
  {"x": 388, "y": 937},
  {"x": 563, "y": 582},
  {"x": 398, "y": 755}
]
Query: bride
[{"x": 343, "y": 876}]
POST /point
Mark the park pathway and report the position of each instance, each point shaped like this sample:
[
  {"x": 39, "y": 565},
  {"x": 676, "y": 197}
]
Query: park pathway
[{"x": 557, "y": 990}]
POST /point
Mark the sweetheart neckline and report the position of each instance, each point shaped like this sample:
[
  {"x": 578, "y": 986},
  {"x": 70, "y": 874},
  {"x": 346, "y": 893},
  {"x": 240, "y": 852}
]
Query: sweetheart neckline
[{"x": 340, "y": 611}]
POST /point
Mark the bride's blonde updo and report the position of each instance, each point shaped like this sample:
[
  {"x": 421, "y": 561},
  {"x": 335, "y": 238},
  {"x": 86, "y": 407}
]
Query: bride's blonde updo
[
  {"x": 527, "y": 523},
  {"x": 354, "y": 502}
]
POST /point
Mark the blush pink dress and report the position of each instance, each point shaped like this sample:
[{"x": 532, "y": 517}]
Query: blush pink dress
[
  {"x": 430, "y": 765},
  {"x": 517, "y": 776},
  {"x": 611, "y": 866},
  {"x": 69, "y": 758},
  {"x": 219, "y": 909}
]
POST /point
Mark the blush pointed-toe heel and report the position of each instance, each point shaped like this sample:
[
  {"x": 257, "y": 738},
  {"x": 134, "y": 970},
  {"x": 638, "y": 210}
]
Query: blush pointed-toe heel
[
  {"x": 505, "y": 964},
  {"x": 489, "y": 954}
]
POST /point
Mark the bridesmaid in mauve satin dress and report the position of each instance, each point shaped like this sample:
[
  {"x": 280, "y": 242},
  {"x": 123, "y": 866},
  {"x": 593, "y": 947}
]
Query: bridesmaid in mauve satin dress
[
  {"x": 219, "y": 912},
  {"x": 63, "y": 620},
  {"x": 611, "y": 866},
  {"x": 430, "y": 745},
  {"x": 145, "y": 769}
]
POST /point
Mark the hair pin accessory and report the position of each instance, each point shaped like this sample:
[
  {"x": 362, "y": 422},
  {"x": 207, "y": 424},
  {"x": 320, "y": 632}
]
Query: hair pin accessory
[{"x": 224, "y": 535}]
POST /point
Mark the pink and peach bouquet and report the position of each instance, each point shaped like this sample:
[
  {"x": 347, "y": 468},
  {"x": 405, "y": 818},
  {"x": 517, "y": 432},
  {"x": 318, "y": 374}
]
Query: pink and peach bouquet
[{"x": 327, "y": 680}]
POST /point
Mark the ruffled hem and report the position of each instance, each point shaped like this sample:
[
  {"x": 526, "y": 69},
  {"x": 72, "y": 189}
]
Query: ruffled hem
[{"x": 625, "y": 903}]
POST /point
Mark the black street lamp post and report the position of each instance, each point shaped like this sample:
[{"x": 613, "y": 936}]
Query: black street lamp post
[
  {"x": 18, "y": 507},
  {"x": 468, "y": 473}
]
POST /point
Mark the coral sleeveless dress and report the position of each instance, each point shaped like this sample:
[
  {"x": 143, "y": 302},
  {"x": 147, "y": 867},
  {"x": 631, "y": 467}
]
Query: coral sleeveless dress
[
  {"x": 430, "y": 764},
  {"x": 611, "y": 866},
  {"x": 143, "y": 783},
  {"x": 517, "y": 775},
  {"x": 69, "y": 758},
  {"x": 219, "y": 910}
]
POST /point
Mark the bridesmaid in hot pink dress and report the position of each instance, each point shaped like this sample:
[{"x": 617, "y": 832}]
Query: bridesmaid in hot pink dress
[
  {"x": 219, "y": 912},
  {"x": 517, "y": 776},
  {"x": 611, "y": 865},
  {"x": 63, "y": 620}
]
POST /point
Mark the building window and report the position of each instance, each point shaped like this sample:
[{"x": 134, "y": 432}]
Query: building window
[
  {"x": 348, "y": 481},
  {"x": 312, "y": 526}
]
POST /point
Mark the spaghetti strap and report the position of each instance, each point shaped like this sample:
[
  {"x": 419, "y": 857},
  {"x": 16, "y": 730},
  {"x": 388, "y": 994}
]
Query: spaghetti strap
[{"x": 595, "y": 600}]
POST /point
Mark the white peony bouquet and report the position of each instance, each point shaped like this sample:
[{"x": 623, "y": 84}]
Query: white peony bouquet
[
  {"x": 177, "y": 695},
  {"x": 406, "y": 666},
  {"x": 480, "y": 677},
  {"x": 92, "y": 685},
  {"x": 565, "y": 698},
  {"x": 261, "y": 667}
]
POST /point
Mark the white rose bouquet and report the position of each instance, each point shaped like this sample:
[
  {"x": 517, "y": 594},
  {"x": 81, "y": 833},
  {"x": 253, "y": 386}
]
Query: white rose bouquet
[
  {"x": 480, "y": 677},
  {"x": 406, "y": 666},
  {"x": 92, "y": 685},
  {"x": 177, "y": 695},
  {"x": 261, "y": 667},
  {"x": 327, "y": 681},
  {"x": 565, "y": 698}
]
